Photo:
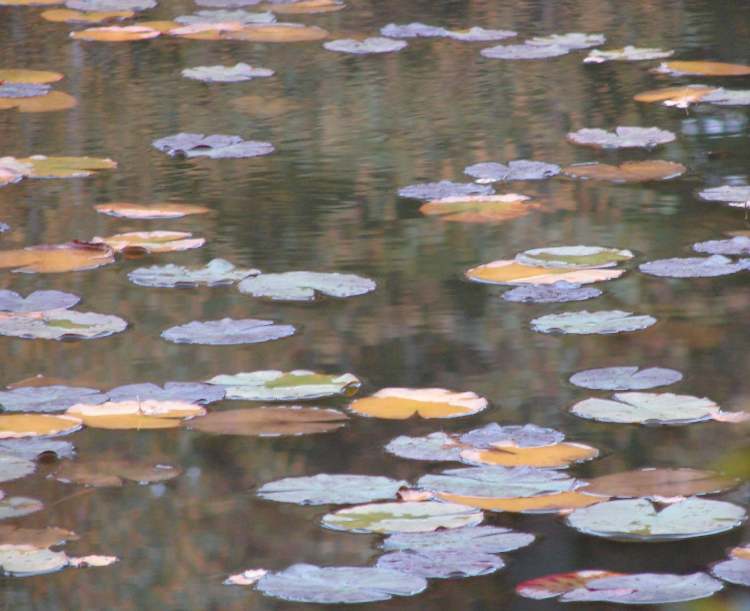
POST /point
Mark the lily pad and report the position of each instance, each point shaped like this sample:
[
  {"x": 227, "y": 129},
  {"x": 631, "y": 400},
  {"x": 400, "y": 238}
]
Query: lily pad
[
  {"x": 403, "y": 403},
  {"x": 701, "y": 68},
  {"x": 434, "y": 447},
  {"x": 692, "y": 267},
  {"x": 271, "y": 32},
  {"x": 647, "y": 408},
  {"x": 513, "y": 273},
  {"x": 445, "y": 188},
  {"x": 727, "y": 193},
  {"x": 51, "y": 102},
  {"x": 47, "y": 399},
  {"x": 216, "y": 272},
  {"x": 188, "y": 392},
  {"x": 728, "y": 97},
  {"x": 138, "y": 242},
  {"x": 363, "y": 47},
  {"x": 656, "y": 484},
  {"x": 520, "y": 169},
  {"x": 217, "y": 146},
  {"x": 524, "y": 51},
  {"x": 150, "y": 211},
  {"x": 70, "y": 16},
  {"x": 225, "y": 16},
  {"x": 480, "y": 208},
  {"x": 486, "y": 539},
  {"x": 57, "y": 258},
  {"x": 66, "y": 167},
  {"x": 442, "y": 564},
  {"x": 679, "y": 97},
  {"x": 304, "y": 286},
  {"x": 557, "y": 456},
  {"x": 226, "y": 74},
  {"x": 296, "y": 385},
  {"x": 60, "y": 325},
  {"x": 494, "y": 435},
  {"x": 622, "y": 137},
  {"x": 18, "y": 426},
  {"x": 736, "y": 570},
  {"x": 571, "y": 40},
  {"x": 626, "y": 54},
  {"x": 325, "y": 489},
  {"x": 625, "y": 378},
  {"x": 115, "y": 33},
  {"x": 412, "y": 30},
  {"x": 573, "y": 257},
  {"x": 17, "y": 506},
  {"x": 227, "y": 331},
  {"x": 603, "y": 322},
  {"x": 539, "y": 504},
  {"x": 305, "y": 7},
  {"x": 38, "y": 301},
  {"x": 135, "y": 414},
  {"x": 227, "y": 3},
  {"x": 15, "y": 75},
  {"x": 561, "y": 291},
  {"x": 339, "y": 584},
  {"x": 35, "y": 537},
  {"x": 22, "y": 90},
  {"x": 35, "y": 449},
  {"x": 402, "y": 517},
  {"x": 477, "y": 34},
  {"x": 270, "y": 421},
  {"x": 14, "y": 467},
  {"x": 25, "y": 560},
  {"x": 110, "y": 5},
  {"x": 738, "y": 245},
  {"x": 641, "y": 520},
  {"x": 629, "y": 171},
  {"x": 113, "y": 473}
]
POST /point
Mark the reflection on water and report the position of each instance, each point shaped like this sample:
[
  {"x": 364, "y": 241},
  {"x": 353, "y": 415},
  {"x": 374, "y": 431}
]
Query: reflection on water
[{"x": 349, "y": 132}]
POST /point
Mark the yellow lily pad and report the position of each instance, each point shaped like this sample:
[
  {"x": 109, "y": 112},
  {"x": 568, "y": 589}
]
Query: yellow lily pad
[
  {"x": 480, "y": 208},
  {"x": 681, "y": 97},
  {"x": 66, "y": 167},
  {"x": 278, "y": 32},
  {"x": 511, "y": 272},
  {"x": 546, "y": 503},
  {"x": 14, "y": 426},
  {"x": 555, "y": 456},
  {"x": 305, "y": 7},
  {"x": 34, "y": 77},
  {"x": 150, "y": 211},
  {"x": 64, "y": 15},
  {"x": 113, "y": 33},
  {"x": 69, "y": 257},
  {"x": 149, "y": 414},
  {"x": 51, "y": 102},
  {"x": 150, "y": 241},
  {"x": 403, "y": 403},
  {"x": 701, "y": 68}
]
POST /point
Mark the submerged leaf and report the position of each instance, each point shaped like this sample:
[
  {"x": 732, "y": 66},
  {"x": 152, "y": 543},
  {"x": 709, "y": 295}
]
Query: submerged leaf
[
  {"x": 629, "y": 171},
  {"x": 295, "y": 385},
  {"x": 603, "y": 322},
  {"x": 621, "y": 137},
  {"x": 442, "y": 189},
  {"x": 573, "y": 257},
  {"x": 660, "y": 483},
  {"x": 561, "y": 291},
  {"x": 442, "y": 564},
  {"x": 512, "y": 272},
  {"x": 692, "y": 267},
  {"x": 701, "y": 68},
  {"x": 403, "y": 403},
  {"x": 38, "y": 301},
  {"x": 304, "y": 286},
  {"x": 625, "y": 378},
  {"x": 367, "y": 45},
  {"x": 627, "y": 53},
  {"x": 227, "y": 331},
  {"x": 105, "y": 473},
  {"x": 150, "y": 211},
  {"x": 647, "y": 408},
  {"x": 216, "y": 272},
  {"x": 60, "y": 325},
  {"x": 218, "y": 146},
  {"x": 54, "y": 398},
  {"x": 226, "y": 74},
  {"x": 270, "y": 421},
  {"x": 325, "y": 489}
]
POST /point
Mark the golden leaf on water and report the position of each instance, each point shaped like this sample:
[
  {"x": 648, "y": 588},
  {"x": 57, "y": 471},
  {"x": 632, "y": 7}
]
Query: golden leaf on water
[{"x": 403, "y": 403}]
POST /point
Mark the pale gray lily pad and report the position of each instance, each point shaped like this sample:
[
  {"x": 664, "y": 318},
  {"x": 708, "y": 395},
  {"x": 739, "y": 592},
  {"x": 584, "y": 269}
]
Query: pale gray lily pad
[
  {"x": 726, "y": 193},
  {"x": 734, "y": 570},
  {"x": 494, "y": 435},
  {"x": 622, "y": 137},
  {"x": 386, "y": 518},
  {"x": 339, "y": 584},
  {"x": 561, "y": 291},
  {"x": 216, "y": 272},
  {"x": 442, "y": 564},
  {"x": 574, "y": 257},
  {"x": 296, "y": 385},
  {"x": 412, "y": 30},
  {"x": 487, "y": 539},
  {"x": 13, "y": 466},
  {"x": 326, "y": 489},
  {"x": 524, "y": 51},
  {"x": 625, "y": 378},
  {"x": 444, "y": 188},
  {"x": 189, "y": 392},
  {"x": 727, "y": 97},
  {"x": 37, "y": 448},
  {"x": 603, "y": 322},
  {"x": 738, "y": 245},
  {"x": 642, "y": 520},
  {"x": 25, "y": 560},
  {"x": 304, "y": 286},
  {"x": 217, "y": 146},
  {"x": 226, "y": 74},
  {"x": 571, "y": 40},
  {"x": 61, "y": 324},
  {"x": 375, "y": 44},
  {"x": 692, "y": 267},
  {"x": 499, "y": 482},
  {"x": 227, "y": 331},
  {"x": 227, "y": 3},
  {"x": 626, "y": 54},
  {"x": 48, "y": 399},
  {"x": 477, "y": 34},
  {"x": 38, "y": 301},
  {"x": 224, "y": 16},
  {"x": 4, "y": 226},
  {"x": 519, "y": 169},
  {"x": 17, "y": 506},
  {"x": 434, "y": 447},
  {"x": 23, "y": 90},
  {"x": 110, "y": 5},
  {"x": 647, "y": 408}
]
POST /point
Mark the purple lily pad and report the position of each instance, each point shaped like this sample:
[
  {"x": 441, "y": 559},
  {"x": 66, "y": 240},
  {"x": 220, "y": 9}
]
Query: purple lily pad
[
  {"x": 520, "y": 169},
  {"x": 477, "y": 34},
  {"x": 223, "y": 16},
  {"x": 227, "y": 331},
  {"x": 217, "y": 146},
  {"x": 110, "y": 5},
  {"x": 734, "y": 570},
  {"x": 23, "y": 90},
  {"x": 559, "y": 292},
  {"x": 47, "y": 399},
  {"x": 622, "y": 137},
  {"x": 692, "y": 267},
  {"x": 524, "y": 51},
  {"x": 625, "y": 378},
  {"x": 375, "y": 44},
  {"x": 413, "y": 30},
  {"x": 190, "y": 392},
  {"x": 435, "y": 447},
  {"x": 727, "y": 193},
  {"x": 444, "y": 188},
  {"x": 486, "y": 539},
  {"x": 35, "y": 448},
  {"x": 443, "y": 564},
  {"x": 522, "y": 436},
  {"x": 38, "y": 301},
  {"x": 738, "y": 245}
]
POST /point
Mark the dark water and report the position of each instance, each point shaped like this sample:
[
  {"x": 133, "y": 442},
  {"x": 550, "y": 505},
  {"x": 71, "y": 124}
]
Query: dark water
[{"x": 349, "y": 132}]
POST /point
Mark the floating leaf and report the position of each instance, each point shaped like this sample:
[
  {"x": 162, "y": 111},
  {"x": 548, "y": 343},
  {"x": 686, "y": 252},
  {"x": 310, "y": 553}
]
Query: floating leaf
[
  {"x": 442, "y": 564},
  {"x": 272, "y": 32},
  {"x": 727, "y": 193},
  {"x": 34, "y": 449},
  {"x": 487, "y": 539},
  {"x": 552, "y": 586},
  {"x": 227, "y": 331},
  {"x": 736, "y": 570},
  {"x": 520, "y": 169},
  {"x": 66, "y": 167},
  {"x": 17, "y": 506},
  {"x": 511, "y": 272},
  {"x": 524, "y": 51},
  {"x": 226, "y": 74},
  {"x": 135, "y": 414},
  {"x": 367, "y": 45},
  {"x": 621, "y": 137},
  {"x": 571, "y": 40},
  {"x": 38, "y": 301},
  {"x": 52, "y": 102},
  {"x": 14, "y": 467},
  {"x": 150, "y": 211},
  {"x": 738, "y": 245},
  {"x": 217, "y": 146},
  {"x": 625, "y": 378},
  {"x": 627, "y": 53},
  {"x": 224, "y": 16},
  {"x": 245, "y": 578},
  {"x": 543, "y": 503},
  {"x": 647, "y": 408},
  {"x": 303, "y": 7},
  {"x": 403, "y": 403},
  {"x": 115, "y": 33},
  {"x": 387, "y": 518},
  {"x": 60, "y": 325},
  {"x": 434, "y": 447},
  {"x": 25, "y": 560},
  {"x": 216, "y": 272},
  {"x": 56, "y": 258},
  {"x": 412, "y": 30},
  {"x": 107, "y": 473},
  {"x": 629, "y": 171},
  {"x": 53, "y": 398},
  {"x": 640, "y": 520},
  {"x": 479, "y": 208},
  {"x": 573, "y": 257},
  {"x": 296, "y": 385},
  {"x": 65, "y": 15},
  {"x": 39, "y": 538},
  {"x": 442, "y": 189},
  {"x": 304, "y": 286},
  {"x": 603, "y": 322},
  {"x": 325, "y": 489},
  {"x": 339, "y": 584},
  {"x": 110, "y": 5},
  {"x": 660, "y": 483},
  {"x": 494, "y": 435},
  {"x": 270, "y": 421},
  {"x": 188, "y": 392},
  {"x": 227, "y": 3},
  {"x": 728, "y": 97},
  {"x": 557, "y": 456},
  {"x": 15, "y": 75},
  {"x": 561, "y": 291},
  {"x": 679, "y": 97},
  {"x": 136, "y": 242},
  {"x": 16, "y": 426},
  {"x": 12, "y": 170},
  {"x": 692, "y": 267},
  {"x": 477, "y": 34},
  {"x": 22, "y": 90},
  {"x": 701, "y": 68}
]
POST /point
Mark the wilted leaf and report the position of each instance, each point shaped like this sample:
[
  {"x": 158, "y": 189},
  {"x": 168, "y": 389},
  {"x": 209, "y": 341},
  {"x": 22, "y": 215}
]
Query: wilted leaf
[
  {"x": 621, "y": 137},
  {"x": 627, "y": 53},
  {"x": 64, "y": 15},
  {"x": 444, "y": 188},
  {"x": 442, "y": 564},
  {"x": 662, "y": 483},
  {"x": 556, "y": 456},
  {"x": 305, "y": 286},
  {"x": 270, "y": 421},
  {"x": 561, "y": 291},
  {"x": 629, "y": 171},
  {"x": 647, "y": 408},
  {"x": 150, "y": 241},
  {"x": 701, "y": 68},
  {"x": 738, "y": 245},
  {"x": 56, "y": 258},
  {"x": 520, "y": 169},
  {"x": 625, "y": 378},
  {"x": 403, "y": 403},
  {"x": 17, "y": 506},
  {"x": 524, "y": 51},
  {"x": 487, "y": 539},
  {"x": 38, "y": 301},
  {"x": 104, "y": 473},
  {"x": 603, "y": 322},
  {"x": 325, "y": 489},
  {"x": 48, "y": 398},
  {"x": 692, "y": 267},
  {"x": 150, "y": 211},
  {"x": 15, "y": 426},
  {"x": 480, "y": 208},
  {"x": 680, "y": 97},
  {"x": 365, "y": 46},
  {"x": 135, "y": 414},
  {"x": 543, "y": 503},
  {"x": 296, "y": 385},
  {"x": 226, "y": 74},
  {"x": 227, "y": 331},
  {"x": 114, "y": 33},
  {"x": 60, "y": 325},
  {"x": 186, "y": 392},
  {"x": 216, "y": 272},
  {"x": 218, "y": 146},
  {"x": 434, "y": 447},
  {"x": 511, "y": 272},
  {"x": 571, "y": 40},
  {"x": 39, "y": 538},
  {"x": 573, "y": 257}
]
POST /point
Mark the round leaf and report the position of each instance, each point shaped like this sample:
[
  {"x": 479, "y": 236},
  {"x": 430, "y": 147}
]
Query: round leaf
[
  {"x": 366, "y": 46},
  {"x": 216, "y": 272},
  {"x": 622, "y": 137},
  {"x": 603, "y": 322},
  {"x": 270, "y": 421},
  {"x": 625, "y": 378},
  {"x": 499, "y": 482},
  {"x": 660, "y": 483},
  {"x": 486, "y": 539},
  {"x": 227, "y": 331},
  {"x": 573, "y": 257},
  {"x": 304, "y": 286},
  {"x": 442, "y": 564},
  {"x": 647, "y": 408},
  {"x": 559, "y": 292},
  {"x": 445, "y": 188},
  {"x": 14, "y": 467},
  {"x": 692, "y": 267},
  {"x": 434, "y": 447},
  {"x": 48, "y": 398},
  {"x": 514, "y": 273},
  {"x": 36, "y": 425},
  {"x": 296, "y": 385},
  {"x": 60, "y": 324},
  {"x": 629, "y": 171},
  {"x": 325, "y": 489},
  {"x": 403, "y": 403}
]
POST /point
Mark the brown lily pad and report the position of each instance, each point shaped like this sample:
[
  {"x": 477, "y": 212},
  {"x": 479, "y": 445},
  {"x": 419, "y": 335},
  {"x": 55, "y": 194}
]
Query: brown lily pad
[
  {"x": 681, "y": 97},
  {"x": 270, "y": 421},
  {"x": 55, "y": 258},
  {"x": 629, "y": 171},
  {"x": 305, "y": 7},
  {"x": 480, "y": 208},
  {"x": 150, "y": 211},
  {"x": 35, "y": 537},
  {"x": 113, "y": 473},
  {"x": 51, "y": 102},
  {"x": 21, "y": 75},
  {"x": 660, "y": 483}
]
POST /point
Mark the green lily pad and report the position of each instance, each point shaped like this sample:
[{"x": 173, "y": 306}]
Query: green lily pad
[
  {"x": 216, "y": 272},
  {"x": 603, "y": 322},
  {"x": 305, "y": 286},
  {"x": 574, "y": 257},
  {"x": 647, "y": 408},
  {"x": 296, "y": 385},
  {"x": 325, "y": 489},
  {"x": 60, "y": 324}
]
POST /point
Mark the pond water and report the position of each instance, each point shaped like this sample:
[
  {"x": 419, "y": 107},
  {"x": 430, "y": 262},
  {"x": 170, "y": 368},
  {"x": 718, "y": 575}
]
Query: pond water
[{"x": 349, "y": 132}]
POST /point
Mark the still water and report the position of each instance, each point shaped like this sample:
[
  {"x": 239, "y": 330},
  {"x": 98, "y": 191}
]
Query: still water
[{"x": 349, "y": 132}]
